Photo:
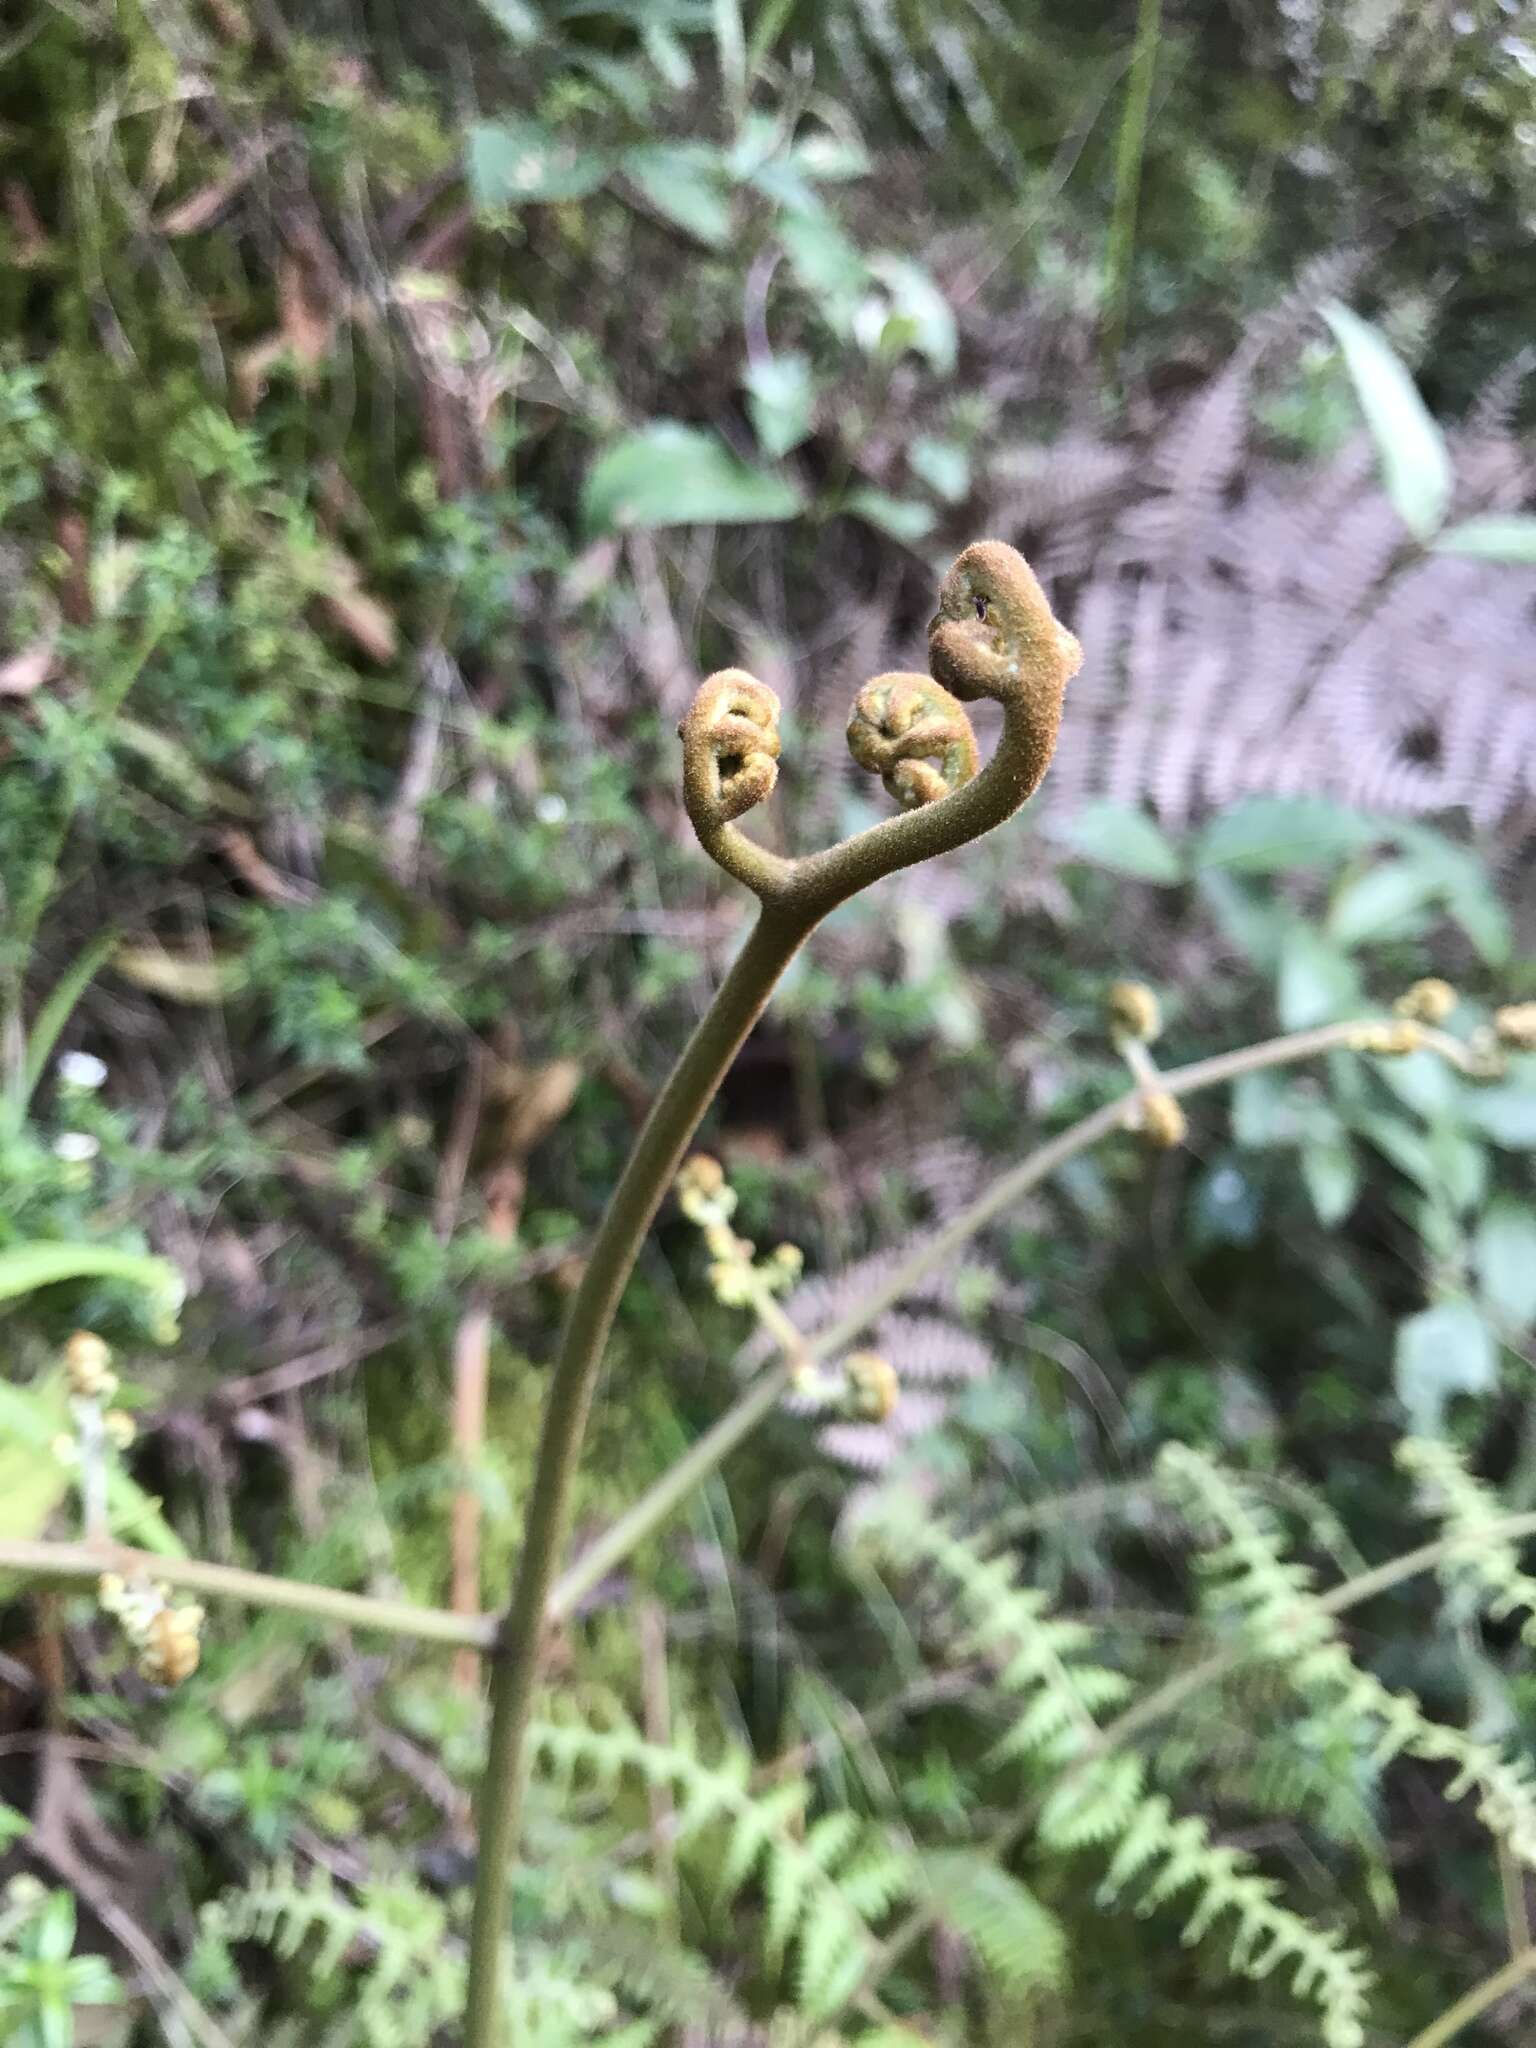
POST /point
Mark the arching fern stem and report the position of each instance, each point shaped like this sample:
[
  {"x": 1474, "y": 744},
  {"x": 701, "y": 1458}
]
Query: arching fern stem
[{"x": 994, "y": 636}]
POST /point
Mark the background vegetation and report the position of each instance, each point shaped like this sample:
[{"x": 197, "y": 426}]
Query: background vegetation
[{"x": 400, "y": 409}]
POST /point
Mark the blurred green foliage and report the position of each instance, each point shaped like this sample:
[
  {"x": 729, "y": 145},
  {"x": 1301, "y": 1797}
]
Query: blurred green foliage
[{"x": 398, "y": 409}]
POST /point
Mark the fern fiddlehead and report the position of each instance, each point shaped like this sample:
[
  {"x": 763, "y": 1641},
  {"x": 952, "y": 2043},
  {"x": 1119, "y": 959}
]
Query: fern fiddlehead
[
  {"x": 914, "y": 735},
  {"x": 993, "y": 636},
  {"x": 730, "y": 765}
]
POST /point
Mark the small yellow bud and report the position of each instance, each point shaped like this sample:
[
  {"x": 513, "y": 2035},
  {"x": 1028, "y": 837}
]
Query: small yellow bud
[
  {"x": 88, "y": 1364},
  {"x": 732, "y": 1283},
  {"x": 120, "y": 1427},
  {"x": 1135, "y": 1011},
  {"x": 1485, "y": 1055},
  {"x": 1163, "y": 1123},
  {"x": 1516, "y": 1026},
  {"x": 783, "y": 1267},
  {"x": 171, "y": 1649},
  {"x": 873, "y": 1388},
  {"x": 721, "y": 1242},
  {"x": 1388, "y": 1041},
  {"x": 700, "y": 1175},
  {"x": 1429, "y": 1001}
]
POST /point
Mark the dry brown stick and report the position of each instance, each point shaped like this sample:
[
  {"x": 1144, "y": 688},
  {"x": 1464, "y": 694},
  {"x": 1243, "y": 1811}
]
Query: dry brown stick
[{"x": 307, "y": 1367}]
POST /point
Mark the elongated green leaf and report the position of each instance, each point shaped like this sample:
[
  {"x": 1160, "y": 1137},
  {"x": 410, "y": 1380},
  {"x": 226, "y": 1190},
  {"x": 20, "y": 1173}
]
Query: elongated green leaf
[
  {"x": 1126, "y": 840},
  {"x": 1317, "y": 982},
  {"x": 668, "y": 474},
  {"x": 1266, "y": 835},
  {"x": 1383, "y": 903},
  {"x": 26, "y": 1267},
  {"x": 1331, "y": 1175},
  {"x": 1428, "y": 1084},
  {"x": 1466, "y": 886},
  {"x": 1250, "y": 921},
  {"x": 826, "y": 263},
  {"x": 927, "y": 316},
  {"x": 905, "y": 519},
  {"x": 55, "y": 1013},
  {"x": 1507, "y": 1114},
  {"x": 1504, "y": 1249},
  {"x": 1496, "y": 537},
  {"x": 942, "y": 465},
  {"x": 684, "y": 181},
  {"x": 517, "y": 17},
  {"x": 1415, "y": 465},
  {"x": 781, "y": 398},
  {"x": 1460, "y": 1166},
  {"x": 1443, "y": 1351},
  {"x": 517, "y": 162},
  {"x": 32, "y": 1480}
]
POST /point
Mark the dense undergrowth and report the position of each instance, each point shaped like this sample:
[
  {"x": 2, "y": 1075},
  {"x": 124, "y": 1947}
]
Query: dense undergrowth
[{"x": 398, "y": 413}]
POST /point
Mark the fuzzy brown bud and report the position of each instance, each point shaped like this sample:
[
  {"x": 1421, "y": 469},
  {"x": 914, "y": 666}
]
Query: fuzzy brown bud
[
  {"x": 1516, "y": 1026},
  {"x": 1429, "y": 1001},
  {"x": 915, "y": 736},
  {"x": 1135, "y": 1011},
  {"x": 172, "y": 1649},
  {"x": 703, "y": 1193},
  {"x": 1163, "y": 1123},
  {"x": 700, "y": 1174},
  {"x": 120, "y": 1427},
  {"x": 88, "y": 1366},
  {"x": 873, "y": 1388}
]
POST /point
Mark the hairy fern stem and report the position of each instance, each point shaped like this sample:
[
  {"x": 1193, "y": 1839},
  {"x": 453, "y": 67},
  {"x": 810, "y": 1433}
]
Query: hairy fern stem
[
  {"x": 994, "y": 635},
  {"x": 656, "y": 1156}
]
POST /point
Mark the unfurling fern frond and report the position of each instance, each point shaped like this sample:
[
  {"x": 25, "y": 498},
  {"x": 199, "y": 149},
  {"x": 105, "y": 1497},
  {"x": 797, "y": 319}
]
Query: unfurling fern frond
[
  {"x": 825, "y": 1886},
  {"x": 1038, "y": 1657},
  {"x": 1281, "y": 1613},
  {"x": 1470, "y": 1512}
]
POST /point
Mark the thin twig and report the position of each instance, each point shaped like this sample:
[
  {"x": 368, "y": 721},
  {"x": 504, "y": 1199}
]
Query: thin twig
[
  {"x": 306, "y": 1368},
  {"x": 1477, "y": 2000},
  {"x": 763, "y": 1396},
  {"x": 85, "y": 1562}
]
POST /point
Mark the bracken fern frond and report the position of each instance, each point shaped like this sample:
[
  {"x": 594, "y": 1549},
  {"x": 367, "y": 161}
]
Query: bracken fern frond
[
  {"x": 1469, "y": 1511},
  {"x": 825, "y": 1886},
  {"x": 1277, "y": 1607},
  {"x": 1038, "y": 1657}
]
